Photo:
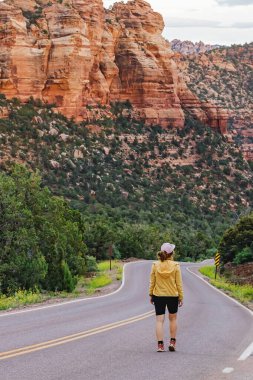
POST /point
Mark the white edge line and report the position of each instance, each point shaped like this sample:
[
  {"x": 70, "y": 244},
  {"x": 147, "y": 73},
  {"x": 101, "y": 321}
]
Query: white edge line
[
  {"x": 7, "y": 314},
  {"x": 249, "y": 349},
  {"x": 247, "y": 352},
  {"x": 219, "y": 291}
]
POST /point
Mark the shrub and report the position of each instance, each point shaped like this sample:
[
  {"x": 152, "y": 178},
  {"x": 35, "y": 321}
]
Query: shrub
[
  {"x": 245, "y": 256},
  {"x": 68, "y": 281},
  {"x": 32, "y": 17},
  {"x": 91, "y": 264}
]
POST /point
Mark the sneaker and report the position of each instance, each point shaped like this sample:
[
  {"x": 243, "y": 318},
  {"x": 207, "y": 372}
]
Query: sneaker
[
  {"x": 172, "y": 345},
  {"x": 160, "y": 347}
]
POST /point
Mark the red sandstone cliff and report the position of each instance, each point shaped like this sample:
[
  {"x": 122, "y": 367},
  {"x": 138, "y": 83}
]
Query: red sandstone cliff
[{"x": 76, "y": 54}]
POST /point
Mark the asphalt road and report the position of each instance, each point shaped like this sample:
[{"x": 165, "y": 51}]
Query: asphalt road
[{"x": 113, "y": 337}]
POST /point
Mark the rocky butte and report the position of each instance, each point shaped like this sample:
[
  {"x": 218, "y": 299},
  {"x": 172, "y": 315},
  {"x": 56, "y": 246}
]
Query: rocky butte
[
  {"x": 189, "y": 47},
  {"x": 75, "y": 53}
]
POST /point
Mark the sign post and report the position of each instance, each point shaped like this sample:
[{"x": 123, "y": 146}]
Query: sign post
[
  {"x": 110, "y": 255},
  {"x": 217, "y": 263}
]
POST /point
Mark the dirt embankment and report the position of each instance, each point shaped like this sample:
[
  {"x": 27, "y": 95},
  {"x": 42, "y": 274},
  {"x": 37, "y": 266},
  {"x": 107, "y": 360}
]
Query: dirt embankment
[{"x": 241, "y": 274}]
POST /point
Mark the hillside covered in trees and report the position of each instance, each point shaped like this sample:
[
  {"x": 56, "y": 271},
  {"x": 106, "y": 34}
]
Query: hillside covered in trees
[
  {"x": 225, "y": 76},
  {"x": 133, "y": 184}
]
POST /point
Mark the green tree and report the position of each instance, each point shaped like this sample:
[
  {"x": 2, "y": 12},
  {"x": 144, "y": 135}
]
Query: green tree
[
  {"x": 236, "y": 238},
  {"x": 22, "y": 263},
  {"x": 98, "y": 236},
  {"x": 140, "y": 240},
  {"x": 41, "y": 239}
]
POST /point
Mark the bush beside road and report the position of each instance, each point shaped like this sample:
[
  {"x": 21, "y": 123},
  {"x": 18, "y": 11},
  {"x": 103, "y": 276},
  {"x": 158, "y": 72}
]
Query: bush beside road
[{"x": 101, "y": 282}]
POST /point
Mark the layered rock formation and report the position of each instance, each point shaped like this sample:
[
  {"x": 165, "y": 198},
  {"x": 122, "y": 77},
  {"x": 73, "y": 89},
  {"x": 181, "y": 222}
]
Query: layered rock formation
[
  {"x": 189, "y": 47},
  {"x": 75, "y": 53}
]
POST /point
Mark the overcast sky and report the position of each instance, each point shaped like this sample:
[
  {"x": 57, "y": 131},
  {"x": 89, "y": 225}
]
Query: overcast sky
[{"x": 212, "y": 21}]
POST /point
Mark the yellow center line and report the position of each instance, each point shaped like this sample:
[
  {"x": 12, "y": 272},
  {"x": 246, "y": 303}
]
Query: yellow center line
[
  {"x": 77, "y": 334},
  {"x": 73, "y": 337}
]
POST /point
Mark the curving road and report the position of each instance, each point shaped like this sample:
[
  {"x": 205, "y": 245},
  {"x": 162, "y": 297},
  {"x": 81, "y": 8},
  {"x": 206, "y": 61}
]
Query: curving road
[{"x": 112, "y": 337}]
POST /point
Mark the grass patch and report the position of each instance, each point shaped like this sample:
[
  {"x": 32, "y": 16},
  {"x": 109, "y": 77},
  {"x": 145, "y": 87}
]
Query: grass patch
[
  {"x": 27, "y": 297},
  {"x": 98, "y": 282},
  {"x": 119, "y": 273},
  {"x": 243, "y": 293},
  {"x": 208, "y": 271},
  {"x": 105, "y": 275},
  {"x": 105, "y": 265},
  {"x": 20, "y": 298}
]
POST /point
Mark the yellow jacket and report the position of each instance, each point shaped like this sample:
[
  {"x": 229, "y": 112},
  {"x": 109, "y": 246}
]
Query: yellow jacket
[{"x": 166, "y": 279}]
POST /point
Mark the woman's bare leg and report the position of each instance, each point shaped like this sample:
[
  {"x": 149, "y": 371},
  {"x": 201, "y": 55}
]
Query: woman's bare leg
[
  {"x": 173, "y": 325},
  {"x": 159, "y": 327}
]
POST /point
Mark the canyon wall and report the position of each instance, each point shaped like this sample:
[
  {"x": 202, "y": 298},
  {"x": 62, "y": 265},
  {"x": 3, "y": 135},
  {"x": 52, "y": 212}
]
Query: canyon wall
[{"x": 74, "y": 53}]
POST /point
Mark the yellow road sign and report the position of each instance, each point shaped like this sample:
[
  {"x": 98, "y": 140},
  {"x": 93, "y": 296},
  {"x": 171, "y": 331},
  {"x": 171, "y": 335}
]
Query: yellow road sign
[
  {"x": 217, "y": 259},
  {"x": 217, "y": 262}
]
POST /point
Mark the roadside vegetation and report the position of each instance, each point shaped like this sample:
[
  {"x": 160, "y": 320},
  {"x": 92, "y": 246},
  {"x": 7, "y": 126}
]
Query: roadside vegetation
[
  {"x": 104, "y": 275},
  {"x": 98, "y": 282},
  {"x": 47, "y": 245},
  {"x": 115, "y": 265},
  {"x": 235, "y": 274},
  {"x": 86, "y": 286},
  {"x": 243, "y": 293},
  {"x": 236, "y": 245},
  {"x": 19, "y": 298}
]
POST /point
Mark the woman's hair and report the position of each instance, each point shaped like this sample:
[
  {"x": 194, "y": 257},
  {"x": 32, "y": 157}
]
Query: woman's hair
[{"x": 162, "y": 255}]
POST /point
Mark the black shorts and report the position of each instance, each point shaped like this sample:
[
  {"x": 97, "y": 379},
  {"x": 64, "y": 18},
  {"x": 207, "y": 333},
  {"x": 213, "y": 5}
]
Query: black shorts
[{"x": 162, "y": 302}]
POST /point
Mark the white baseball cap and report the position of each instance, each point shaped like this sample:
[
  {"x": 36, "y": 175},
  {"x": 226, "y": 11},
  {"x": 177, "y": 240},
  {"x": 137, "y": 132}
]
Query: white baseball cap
[{"x": 167, "y": 247}]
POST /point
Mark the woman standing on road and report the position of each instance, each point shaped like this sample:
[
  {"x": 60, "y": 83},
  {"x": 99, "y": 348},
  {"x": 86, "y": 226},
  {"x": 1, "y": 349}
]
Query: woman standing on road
[{"x": 166, "y": 289}]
